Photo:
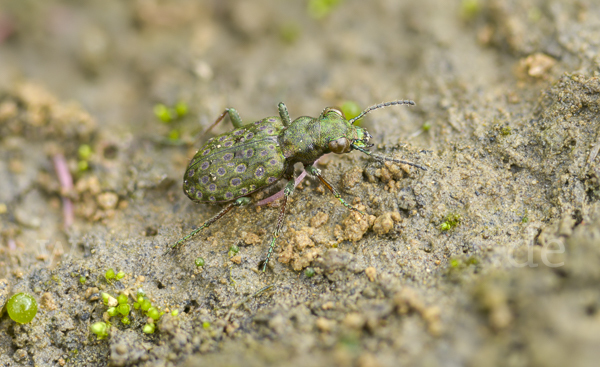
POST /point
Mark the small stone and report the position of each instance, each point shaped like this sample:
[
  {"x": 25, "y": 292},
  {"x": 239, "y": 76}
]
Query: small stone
[
  {"x": 302, "y": 239},
  {"x": 324, "y": 324},
  {"x": 20, "y": 355},
  {"x": 26, "y": 219},
  {"x": 92, "y": 293},
  {"x": 328, "y": 305},
  {"x": 237, "y": 259},
  {"x": 367, "y": 360},
  {"x": 107, "y": 200},
  {"x": 121, "y": 349},
  {"x": 351, "y": 177},
  {"x": 354, "y": 320},
  {"x": 538, "y": 64},
  {"x": 250, "y": 238},
  {"x": 4, "y": 290},
  {"x": 371, "y": 273},
  {"x": 385, "y": 223},
  {"x": 319, "y": 219},
  {"x": 47, "y": 302},
  {"x": 112, "y": 301}
]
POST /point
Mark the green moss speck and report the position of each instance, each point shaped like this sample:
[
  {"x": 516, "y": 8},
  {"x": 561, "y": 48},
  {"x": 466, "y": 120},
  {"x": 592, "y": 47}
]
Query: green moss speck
[
  {"x": 85, "y": 152},
  {"x": 470, "y": 8},
  {"x": 149, "y": 329},
  {"x": 289, "y": 33},
  {"x": 350, "y": 109},
  {"x": 122, "y": 299},
  {"x": 321, "y": 8},
  {"x": 525, "y": 218},
  {"x": 163, "y": 113},
  {"x": 100, "y": 329},
  {"x": 153, "y": 313},
  {"x": 124, "y": 309},
  {"x": 112, "y": 311},
  {"x": 110, "y": 274},
  {"x": 233, "y": 250},
  {"x": 181, "y": 109},
  {"x": 452, "y": 220}
]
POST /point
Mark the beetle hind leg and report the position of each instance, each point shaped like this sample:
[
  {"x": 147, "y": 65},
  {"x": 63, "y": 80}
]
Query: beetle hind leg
[
  {"x": 287, "y": 192},
  {"x": 239, "y": 202}
]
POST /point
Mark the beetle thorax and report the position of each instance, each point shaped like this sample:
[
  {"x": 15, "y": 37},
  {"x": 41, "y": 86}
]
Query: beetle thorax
[{"x": 307, "y": 138}]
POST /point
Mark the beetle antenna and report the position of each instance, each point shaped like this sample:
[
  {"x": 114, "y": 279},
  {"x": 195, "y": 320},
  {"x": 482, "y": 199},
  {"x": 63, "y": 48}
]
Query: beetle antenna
[
  {"x": 377, "y": 106},
  {"x": 383, "y": 158}
]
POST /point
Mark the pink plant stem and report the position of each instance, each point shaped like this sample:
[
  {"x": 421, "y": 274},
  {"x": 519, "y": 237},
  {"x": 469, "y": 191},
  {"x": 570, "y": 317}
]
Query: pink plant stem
[{"x": 66, "y": 184}]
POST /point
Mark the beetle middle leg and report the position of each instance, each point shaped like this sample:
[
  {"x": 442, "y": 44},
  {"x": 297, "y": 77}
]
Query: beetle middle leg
[
  {"x": 283, "y": 113},
  {"x": 239, "y": 202},
  {"x": 314, "y": 171}
]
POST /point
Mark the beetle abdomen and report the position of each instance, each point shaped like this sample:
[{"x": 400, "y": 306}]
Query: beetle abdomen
[{"x": 236, "y": 163}]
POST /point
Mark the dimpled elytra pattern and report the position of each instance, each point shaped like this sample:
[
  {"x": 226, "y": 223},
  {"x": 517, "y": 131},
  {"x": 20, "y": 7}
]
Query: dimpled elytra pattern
[{"x": 236, "y": 163}]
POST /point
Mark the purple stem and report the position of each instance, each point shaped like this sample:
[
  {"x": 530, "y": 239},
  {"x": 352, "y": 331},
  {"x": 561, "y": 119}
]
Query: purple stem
[{"x": 66, "y": 184}]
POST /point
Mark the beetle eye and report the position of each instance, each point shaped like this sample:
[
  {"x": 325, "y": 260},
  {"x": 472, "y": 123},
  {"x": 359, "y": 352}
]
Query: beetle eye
[
  {"x": 334, "y": 110},
  {"x": 339, "y": 146}
]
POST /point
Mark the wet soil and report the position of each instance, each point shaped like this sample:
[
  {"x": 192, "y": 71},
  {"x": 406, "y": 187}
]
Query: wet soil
[{"x": 490, "y": 257}]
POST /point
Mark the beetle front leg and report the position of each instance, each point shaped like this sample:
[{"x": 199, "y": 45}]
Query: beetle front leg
[
  {"x": 287, "y": 192},
  {"x": 314, "y": 171}
]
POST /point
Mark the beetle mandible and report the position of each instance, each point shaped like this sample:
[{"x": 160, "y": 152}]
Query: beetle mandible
[{"x": 252, "y": 157}]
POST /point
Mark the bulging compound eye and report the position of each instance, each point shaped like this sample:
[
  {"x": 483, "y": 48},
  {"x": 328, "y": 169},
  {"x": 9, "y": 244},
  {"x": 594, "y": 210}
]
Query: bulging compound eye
[
  {"x": 334, "y": 110},
  {"x": 339, "y": 146}
]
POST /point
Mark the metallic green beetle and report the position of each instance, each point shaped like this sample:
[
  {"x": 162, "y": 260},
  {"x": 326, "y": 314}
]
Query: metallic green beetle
[{"x": 231, "y": 166}]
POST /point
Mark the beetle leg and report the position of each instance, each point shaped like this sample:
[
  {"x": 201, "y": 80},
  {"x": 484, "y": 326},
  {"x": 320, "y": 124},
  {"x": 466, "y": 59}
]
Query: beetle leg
[
  {"x": 239, "y": 202},
  {"x": 283, "y": 113},
  {"x": 234, "y": 116},
  {"x": 313, "y": 171},
  {"x": 287, "y": 192}
]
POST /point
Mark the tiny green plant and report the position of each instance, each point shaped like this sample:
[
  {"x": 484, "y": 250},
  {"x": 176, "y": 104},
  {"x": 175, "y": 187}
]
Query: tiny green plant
[
  {"x": 121, "y": 307},
  {"x": 231, "y": 166},
  {"x": 22, "y": 308}
]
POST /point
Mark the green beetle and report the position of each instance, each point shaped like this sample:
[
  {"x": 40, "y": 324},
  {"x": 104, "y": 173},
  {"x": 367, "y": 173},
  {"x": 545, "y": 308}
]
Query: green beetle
[{"x": 231, "y": 166}]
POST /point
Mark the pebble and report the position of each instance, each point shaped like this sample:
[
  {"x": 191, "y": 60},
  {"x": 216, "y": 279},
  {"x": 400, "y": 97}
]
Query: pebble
[
  {"x": 107, "y": 200},
  {"x": 371, "y": 273}
]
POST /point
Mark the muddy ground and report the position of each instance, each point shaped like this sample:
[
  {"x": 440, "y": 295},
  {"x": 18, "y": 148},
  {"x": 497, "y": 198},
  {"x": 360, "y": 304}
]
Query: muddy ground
[{"x": 490, "y": 257}]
